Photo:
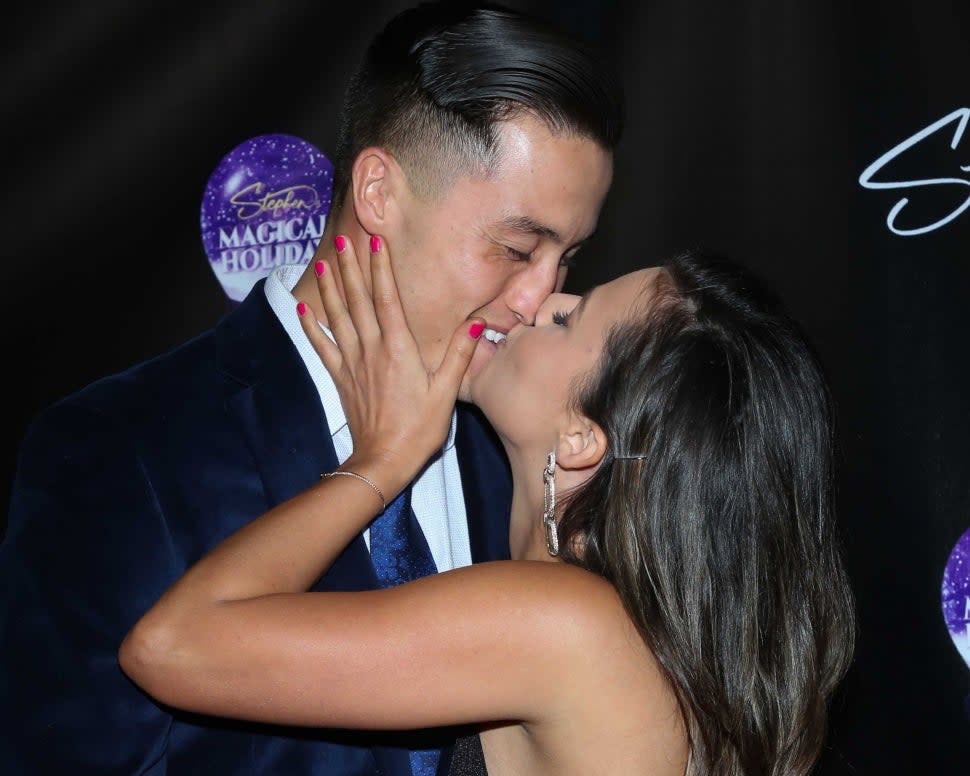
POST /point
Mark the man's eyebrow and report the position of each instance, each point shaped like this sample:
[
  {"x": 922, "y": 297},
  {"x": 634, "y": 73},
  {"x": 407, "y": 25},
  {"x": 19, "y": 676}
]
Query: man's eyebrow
[{"x": 531, "y": 226}]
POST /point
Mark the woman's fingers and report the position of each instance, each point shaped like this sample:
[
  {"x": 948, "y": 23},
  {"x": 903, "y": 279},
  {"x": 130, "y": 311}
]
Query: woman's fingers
[
  {"x": 455, "y": 362},
  {"x": 390, "y": 396},
  {"x": 357, "y": 295},
  {"x": 387, "y": 301},
  {"x": 338, "y": 318},
  {"x": 329, "y": 353}
]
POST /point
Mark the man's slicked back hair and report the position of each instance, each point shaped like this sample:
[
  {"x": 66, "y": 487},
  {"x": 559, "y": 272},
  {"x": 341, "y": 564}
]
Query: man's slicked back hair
[{"x": 439, "y": 77}]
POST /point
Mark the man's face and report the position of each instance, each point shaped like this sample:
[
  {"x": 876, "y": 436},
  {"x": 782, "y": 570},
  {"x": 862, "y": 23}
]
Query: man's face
[{"x": 496, "y": 247}]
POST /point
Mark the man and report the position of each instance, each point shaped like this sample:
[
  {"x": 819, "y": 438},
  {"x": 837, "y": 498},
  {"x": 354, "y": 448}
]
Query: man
[{"x": 479, "y": 145}]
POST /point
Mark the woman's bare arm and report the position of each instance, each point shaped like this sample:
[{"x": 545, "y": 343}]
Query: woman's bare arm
[{"x": 492, "y": 641}]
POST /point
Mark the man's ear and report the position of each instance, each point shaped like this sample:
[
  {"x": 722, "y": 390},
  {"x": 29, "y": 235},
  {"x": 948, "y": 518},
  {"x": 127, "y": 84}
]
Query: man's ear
[
  {"x": 373, "y": 185},
  {"x": 582, "y": 443}
]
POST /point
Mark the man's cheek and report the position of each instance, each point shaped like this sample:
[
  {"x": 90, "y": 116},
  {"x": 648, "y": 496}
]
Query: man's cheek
[{"x": 488, "y": 284}]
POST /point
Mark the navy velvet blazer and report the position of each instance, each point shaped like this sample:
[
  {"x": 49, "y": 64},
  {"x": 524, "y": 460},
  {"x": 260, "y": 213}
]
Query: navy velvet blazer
[{"x": 119, "y": 489}]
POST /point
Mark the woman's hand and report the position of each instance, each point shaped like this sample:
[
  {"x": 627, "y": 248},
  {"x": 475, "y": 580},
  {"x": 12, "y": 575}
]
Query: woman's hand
[{"x": 398, "y": 408}]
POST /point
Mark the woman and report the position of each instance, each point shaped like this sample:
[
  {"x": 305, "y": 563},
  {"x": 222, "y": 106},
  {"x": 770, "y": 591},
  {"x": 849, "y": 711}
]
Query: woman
[{"x": 681, "y": 607}]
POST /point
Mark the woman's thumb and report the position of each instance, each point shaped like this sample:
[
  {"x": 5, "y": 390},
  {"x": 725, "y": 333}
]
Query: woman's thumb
[{"x": 460, "y": 352}]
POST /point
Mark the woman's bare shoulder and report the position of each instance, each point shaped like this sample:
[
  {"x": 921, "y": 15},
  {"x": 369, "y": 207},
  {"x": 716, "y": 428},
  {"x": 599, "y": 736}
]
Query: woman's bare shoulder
[
  {"x": 569, "y": 605},
  {"x": 596, "y": 677}
]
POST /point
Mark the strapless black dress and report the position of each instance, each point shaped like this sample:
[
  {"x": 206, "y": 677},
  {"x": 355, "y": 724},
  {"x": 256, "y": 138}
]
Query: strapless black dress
[{"x": 467, "y": 758}]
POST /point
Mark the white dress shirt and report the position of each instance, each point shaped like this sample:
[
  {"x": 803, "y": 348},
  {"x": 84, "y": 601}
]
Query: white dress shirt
[{"x": 436, "y": 496}]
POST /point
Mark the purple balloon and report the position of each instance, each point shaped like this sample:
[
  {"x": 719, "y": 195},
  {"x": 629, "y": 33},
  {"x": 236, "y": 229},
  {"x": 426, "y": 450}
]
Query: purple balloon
[
  {"x": 956, "y": 596},
  {"x": 265, "y": 205}
]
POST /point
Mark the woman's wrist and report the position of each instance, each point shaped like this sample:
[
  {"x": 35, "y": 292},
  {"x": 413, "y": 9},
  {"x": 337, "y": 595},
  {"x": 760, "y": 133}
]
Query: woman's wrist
[
  {"x": 367, "y": 481},
  {"x": 383, "y": 472}
]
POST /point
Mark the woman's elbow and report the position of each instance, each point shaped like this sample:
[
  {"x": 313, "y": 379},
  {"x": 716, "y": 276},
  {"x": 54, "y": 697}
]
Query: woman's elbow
[{"x": 145, "y": 654}]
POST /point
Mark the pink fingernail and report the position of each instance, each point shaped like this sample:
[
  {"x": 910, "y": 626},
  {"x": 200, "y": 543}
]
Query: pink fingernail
[
  {"x": 340, "y": 243},
  {"x": 301, "y": 308},
  {"x": 318, "y": 268},
  {"x": 375, "y": 244},
  {"x": 475, "y": 330}
]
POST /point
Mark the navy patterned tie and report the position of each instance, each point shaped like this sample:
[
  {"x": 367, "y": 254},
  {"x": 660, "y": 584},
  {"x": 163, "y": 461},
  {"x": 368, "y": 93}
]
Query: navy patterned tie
[{"x": 400, "y": 553}]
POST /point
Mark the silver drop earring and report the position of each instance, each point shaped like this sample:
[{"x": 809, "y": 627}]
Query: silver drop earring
[{"x": 549, "y": 505}]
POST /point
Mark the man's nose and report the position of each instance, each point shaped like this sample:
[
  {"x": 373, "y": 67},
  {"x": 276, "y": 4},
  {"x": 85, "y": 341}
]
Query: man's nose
[{"x": 528, "y": 289}]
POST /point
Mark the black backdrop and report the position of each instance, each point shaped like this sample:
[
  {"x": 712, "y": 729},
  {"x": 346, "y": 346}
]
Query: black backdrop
[{"x": 750, "y": 124}]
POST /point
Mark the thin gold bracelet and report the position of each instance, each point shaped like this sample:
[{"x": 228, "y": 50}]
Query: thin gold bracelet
[{"x": 360, "y": 477}]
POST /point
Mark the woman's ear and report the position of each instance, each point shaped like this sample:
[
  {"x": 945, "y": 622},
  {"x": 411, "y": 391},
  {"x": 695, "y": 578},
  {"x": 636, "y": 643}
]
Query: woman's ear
[
  {"x": 582, "y": 443},
  {"x": 373, "y": 182}
]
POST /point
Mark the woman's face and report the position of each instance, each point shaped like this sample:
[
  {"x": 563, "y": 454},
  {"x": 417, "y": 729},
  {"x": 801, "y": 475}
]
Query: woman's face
[{"x": 525, "y": 386}]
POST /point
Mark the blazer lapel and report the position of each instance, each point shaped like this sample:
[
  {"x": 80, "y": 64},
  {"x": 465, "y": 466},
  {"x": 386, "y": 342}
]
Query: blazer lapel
[{"x": 278, "y": 409}]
